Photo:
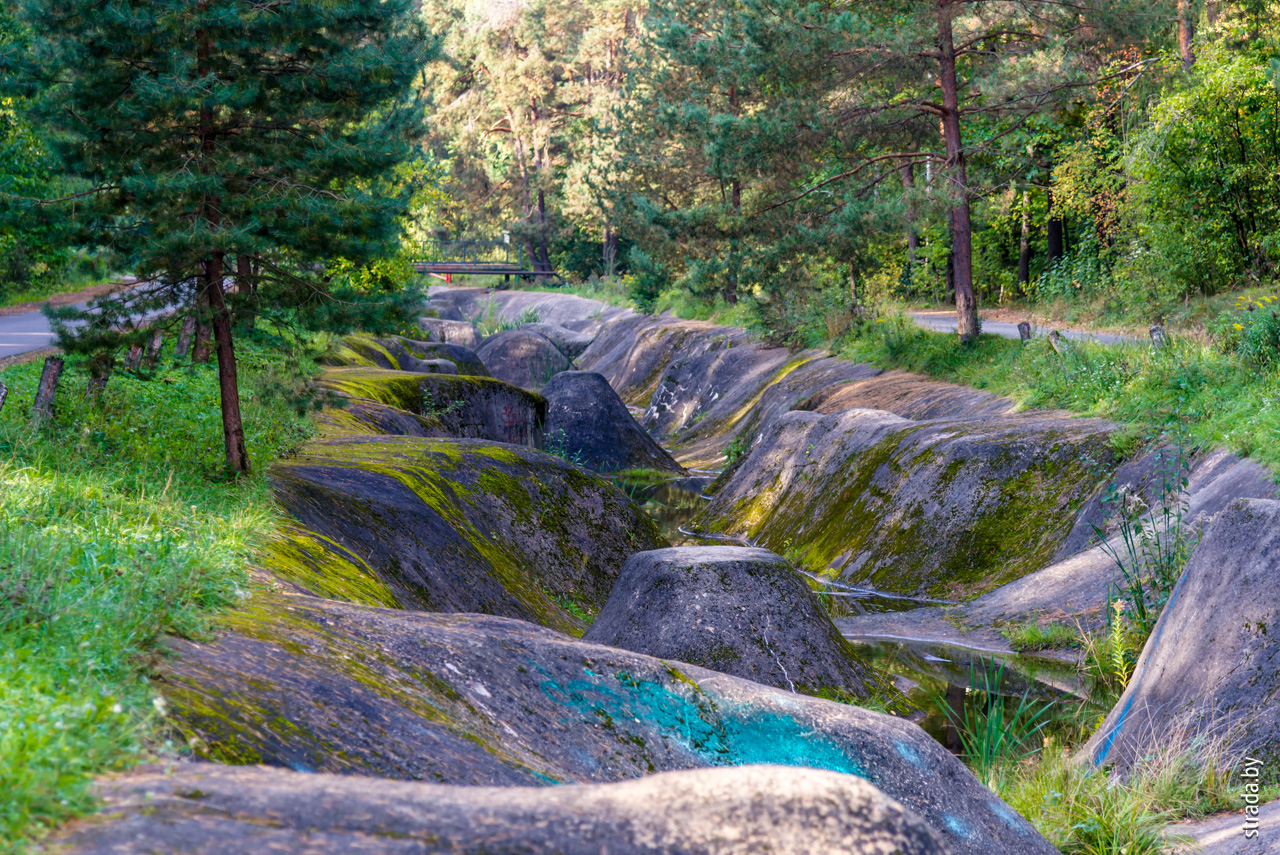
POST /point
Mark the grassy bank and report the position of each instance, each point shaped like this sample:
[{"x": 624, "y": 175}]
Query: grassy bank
[
  {"x": 116, "y": 527},
  {"x": 1189, "y": 388}
]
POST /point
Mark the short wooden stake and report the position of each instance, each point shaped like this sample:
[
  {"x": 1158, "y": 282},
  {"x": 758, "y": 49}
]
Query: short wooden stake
[
  {"x": 134, "y": 359},
  {"x": 1157, "y": 336},
  {"x": 153, "y": 348},
  {"x": 100, "y": 365},
  {"x": 184, "y": 337},
  {"x": 1024, "y": 332},
  {"x": 46, "y": 392},
  {"x": 1056, "y": 341}
]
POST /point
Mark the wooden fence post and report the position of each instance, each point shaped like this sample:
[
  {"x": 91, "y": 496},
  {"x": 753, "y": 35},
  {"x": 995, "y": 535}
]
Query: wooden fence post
[
  {"x": 1157, "y": 336},
  {"x": 1024, "y": 332},
  {"x": 46, "y": 392},
  {"x": 1055, "y": 341},
  {"x": 100, "y": 365},
  {"x": 184, "y": 337},
  {"x": 153, "y": 348}
]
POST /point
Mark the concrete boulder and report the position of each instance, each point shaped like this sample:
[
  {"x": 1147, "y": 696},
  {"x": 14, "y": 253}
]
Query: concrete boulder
[
  {"x": 362, "y": 416},
  {"x": 408, "y": 351},
  {"x": 1208, "y": 668},
  {"x": 522, "y": 358},
  {"x": 589, "y": 424},
  {"x": 739, "y": 611},
  {"x": 460, "y": 333},
  {"x": 320, "y": 686},
  {"x": 456, "y": 525},
  {"x": 940, "y": 508},
  {"x": 462, "y": 407},
  {"x": 572, "y": 344},
  {"x": 706, "y": 812}
]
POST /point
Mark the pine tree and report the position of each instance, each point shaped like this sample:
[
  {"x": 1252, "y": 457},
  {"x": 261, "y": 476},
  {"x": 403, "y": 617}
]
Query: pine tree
[{"x": 219, "y": 129}]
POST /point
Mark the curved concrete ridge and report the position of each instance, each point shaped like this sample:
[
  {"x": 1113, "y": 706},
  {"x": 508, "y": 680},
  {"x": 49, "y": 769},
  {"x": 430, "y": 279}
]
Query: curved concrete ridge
[{"x": 200, "y": 809}]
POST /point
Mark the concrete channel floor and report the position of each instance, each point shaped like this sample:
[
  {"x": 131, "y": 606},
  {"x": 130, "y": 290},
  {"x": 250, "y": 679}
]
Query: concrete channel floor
[{"x": 1224, "y": 834}]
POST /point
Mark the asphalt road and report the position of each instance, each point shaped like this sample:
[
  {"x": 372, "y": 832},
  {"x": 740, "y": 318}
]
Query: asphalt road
[
  {"x": 946, "y": 322},
  {"x": 25, "y": 332},
  {"x": 30, "y": 331}
]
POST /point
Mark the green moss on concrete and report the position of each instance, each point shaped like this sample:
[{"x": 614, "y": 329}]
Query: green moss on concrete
[
  {"x": 326, "y": 568},
  {"x": 400, "y": 389}
]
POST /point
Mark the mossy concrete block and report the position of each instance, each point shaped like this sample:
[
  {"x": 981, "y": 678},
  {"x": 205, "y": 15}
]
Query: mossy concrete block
[
  {"x": 442, "y": 331},
  {"x": 589, "y": 422},
  {"x": 463, "y": 525},
  {"x": 564, "y": 310},
  {"x": 320, "y": 686},
  {"x": 522, "y": 358},
  {"x": 910, "y": 396},
  {"x": 411, "y": 352},
  {"x": 938, "y": 508},
  {"x": 572, "y": 344},
  {"x": 1209, "y": 667},
  {"x": 202, "y": 809},
  {"x": 463, "y": 407},
  {"x": 632, "y": 352},
  {"x": 736, "y": 610},
  {"x": 362, "y": 416}
]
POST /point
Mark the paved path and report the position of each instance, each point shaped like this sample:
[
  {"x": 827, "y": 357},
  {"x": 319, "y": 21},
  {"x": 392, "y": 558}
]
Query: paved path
[
  {"x": 946, "y": 322},
  {"x": 1224, "y": 834}
]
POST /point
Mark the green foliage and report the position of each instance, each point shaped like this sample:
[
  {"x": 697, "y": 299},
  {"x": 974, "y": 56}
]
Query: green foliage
[
  {"x": 1034, "y": 635},
  {"x": 115, "y": 529},
  {"x": 996, "y": 731},
  {"x": 1208, "y": 173}
]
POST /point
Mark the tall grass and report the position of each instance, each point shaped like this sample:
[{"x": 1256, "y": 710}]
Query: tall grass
[{"x": 116, "y": 528}]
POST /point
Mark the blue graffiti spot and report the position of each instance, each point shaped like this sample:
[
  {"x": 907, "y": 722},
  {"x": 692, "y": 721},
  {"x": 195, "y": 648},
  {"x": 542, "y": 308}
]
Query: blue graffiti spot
[
  {"x": 958, "y": 826},
  {"x": 720, "y": 737},
  {"x": 910, "y": 754},
  {"x": 1010, "y": 816}
]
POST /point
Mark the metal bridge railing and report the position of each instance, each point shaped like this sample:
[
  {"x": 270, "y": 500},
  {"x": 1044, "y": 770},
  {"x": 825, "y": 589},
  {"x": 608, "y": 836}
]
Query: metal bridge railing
[{"x": 497, "y": 252}]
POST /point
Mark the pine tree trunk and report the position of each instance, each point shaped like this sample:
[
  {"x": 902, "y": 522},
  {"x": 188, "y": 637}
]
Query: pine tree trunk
[
  {"x": 134, "y": 358},
  {"x": 1024, "y": 247},
  {"x": 1056, "y": 246},
  {"x": 913, "y": 237},
  {"x": 544, "y": 258},
  {"x": 610, "y": 251},
  {"x": 46, "y": 392},
  {"x": 962, "y": 228},
  {"x": 228, "y": 385},
  {"x": 1186, "y": 32}
]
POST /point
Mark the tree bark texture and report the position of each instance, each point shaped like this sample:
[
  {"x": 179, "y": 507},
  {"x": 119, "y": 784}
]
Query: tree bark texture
[
  {"x": 962, "y": 227},
  {"x": 134, "y": 358},
  {"x": 908, "y": 172},
  {"x": 1024, "y": 247},
  {"x": 47, "y": 391},
  {"x": 1186, "y": 33}
]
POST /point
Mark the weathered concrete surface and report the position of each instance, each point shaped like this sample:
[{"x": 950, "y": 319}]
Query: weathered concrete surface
[
  {"x": 569, "y": 342},
  {"x": 910, "y": 396},
  {"x": 461, "y": 333},
  {"x": 739, "y": 611},
  {"x": 588, "y": 421},
  {"x": 456, "y": 525},
  {"x": 463, "y": 407},
  {"x": 209, "y": 810},
  {"x": 940, "y": 508},
  {"x": 410, "y": 352},
  {"x": 458, "y": 698},
  {"x": 364, "y": 416},
  {"x": 522, "y": 358},
  {"x": 1209, "y": 666},
  {"x": 565, "y": 310}
]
